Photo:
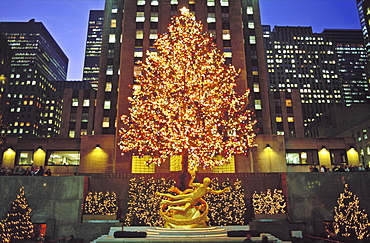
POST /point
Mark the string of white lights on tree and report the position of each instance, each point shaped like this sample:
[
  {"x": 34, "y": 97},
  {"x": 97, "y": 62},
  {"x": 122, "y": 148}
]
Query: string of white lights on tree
[
  {"x": 4, "y": 234},
  {"x": 229, "y": 207},
  {"x": 18, "y": 220},
  {"x": 143, "y": 204},
  {"x": 351, "y": 221},
  {"x": 98, "y": 203},
  {"x": 268, "y": 203}
]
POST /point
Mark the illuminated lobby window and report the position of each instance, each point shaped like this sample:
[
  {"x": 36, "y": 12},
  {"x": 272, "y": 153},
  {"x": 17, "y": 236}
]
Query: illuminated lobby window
[
  {"x": 63, "y": 158},
  {"x": 225, "y": 168},
  {"x": 139, "y": 166},
  {"x": 175, "y": 163},
  {"x": 25, "y": 158}
]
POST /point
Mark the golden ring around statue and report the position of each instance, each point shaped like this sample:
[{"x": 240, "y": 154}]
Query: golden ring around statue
[{"x": 198, "y": 220}]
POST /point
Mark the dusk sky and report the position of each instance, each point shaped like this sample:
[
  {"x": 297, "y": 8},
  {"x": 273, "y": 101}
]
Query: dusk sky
[{"x": 67, "y": 20}]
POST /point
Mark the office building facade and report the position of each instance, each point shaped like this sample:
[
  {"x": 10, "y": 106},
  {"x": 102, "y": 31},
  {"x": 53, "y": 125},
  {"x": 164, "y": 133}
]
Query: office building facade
[
  {"x": 93, "y": 47},
  {"x": 351, "y": 61},
  {"x": 363, "y": 8},
  {"x": 5, "y": 60},
  {"x": 33, "y": 108},
  {"x": 299, "y": 59}
]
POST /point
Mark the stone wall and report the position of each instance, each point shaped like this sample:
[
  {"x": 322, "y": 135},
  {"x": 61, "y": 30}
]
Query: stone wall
[{"x": 311, "y": 198}]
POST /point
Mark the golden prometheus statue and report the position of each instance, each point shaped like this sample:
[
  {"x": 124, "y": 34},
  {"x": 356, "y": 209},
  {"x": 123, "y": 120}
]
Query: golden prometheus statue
[{"x": 187, "y": 209}]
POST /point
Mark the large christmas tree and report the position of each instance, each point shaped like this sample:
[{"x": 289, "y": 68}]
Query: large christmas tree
[
  {"x": 18, "y": 220},
  {"x": 186, "y": 103}
]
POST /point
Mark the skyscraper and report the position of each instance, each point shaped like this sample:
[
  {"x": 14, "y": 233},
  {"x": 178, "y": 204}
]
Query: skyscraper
[
  {"x": 5, "y": 59},
  {"x": 236, "y": 28},
  {"x": 299, "y": 59},
  {"x": 32, "y": 105},
  {"x": 363, "y": 8},
  {"x": 93, "y": 47},
  {"x": 351, "y": 60}
]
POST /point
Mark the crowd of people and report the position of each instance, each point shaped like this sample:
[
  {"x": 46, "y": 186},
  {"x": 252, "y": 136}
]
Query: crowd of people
[
  {"x": 28, "y": 171},
  {"x": 340, "y": 168}
]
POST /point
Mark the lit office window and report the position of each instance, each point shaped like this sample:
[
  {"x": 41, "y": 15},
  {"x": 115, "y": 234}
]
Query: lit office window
[
  {"x": 72, "y": 134},
  {"x": 109, "y": 70},
  {"x": 290, "y": 119},
  {"x": 108, "y": 86},
  {"x": 153, "y": 34},
  {"x": 210, "y": 3},
  {"x": 112, "y": 38},
  {"x": 139, "y": 34},
  {"x": 107, "y": 104},
  {"x": 140, "y": 2},
  {"x": 278, "y": 119},
  {"x": 83, "y": 132},
  {"x": 154, "y": 3},
  {"x": 174, "y": 2},
  {"x": 249, "y": 10},
  {"x": 252, "y": 39},
  {"x": 105, "y": 122},
  {"x": 154, "y": 17},
  {"x": 228, "y": 54},
  {"x": 257, "y": 105},
  {"x": 140, "y": 17},
  {"x": 288, "y": 103},
  {"x": 256, "y": 87},
  {"x": 74, "y": 102},
  {"x": 224, "y": 3},
  {"x": 86, "y": 102},
  {"x": 226, "y": 34},
  {"x": 138, "y": 54},
  {"x": 250, "y": 24},
  {"x": 211, "y": 18},
  {"x": 113, "y": 23}
]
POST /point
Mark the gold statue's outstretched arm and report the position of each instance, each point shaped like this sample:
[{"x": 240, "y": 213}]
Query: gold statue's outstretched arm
[{"x": 226, "y": 189}]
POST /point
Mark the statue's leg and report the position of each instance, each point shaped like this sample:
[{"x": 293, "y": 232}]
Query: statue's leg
[
  {"x": 180, "y": 208},
  {"x": 168, "y": 202},
  {"x": 176, "y": 197}
]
